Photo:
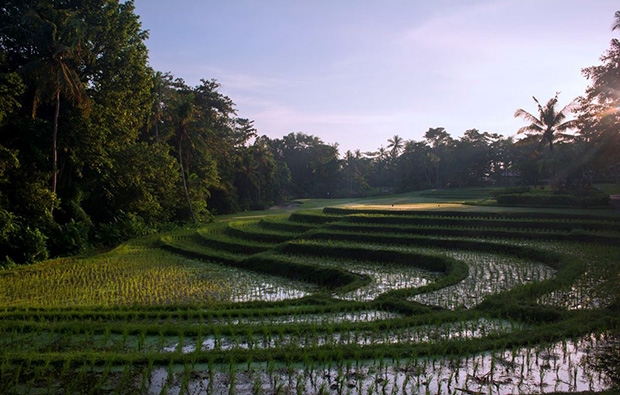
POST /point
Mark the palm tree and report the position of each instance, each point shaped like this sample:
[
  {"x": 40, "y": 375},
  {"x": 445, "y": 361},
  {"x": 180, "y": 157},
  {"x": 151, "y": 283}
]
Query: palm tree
[
  {"x": 396, "y": 145},
  {"x": 548, "y": 122},
  {"x": 617, "y": 23},
  {"x": 183, "y": 114},
  {"x": 161, "y": 84},
  {"x": 56, "y": 36}
]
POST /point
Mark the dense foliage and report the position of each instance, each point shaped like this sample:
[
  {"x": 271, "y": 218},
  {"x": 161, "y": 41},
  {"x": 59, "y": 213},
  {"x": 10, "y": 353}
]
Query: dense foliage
[{"x": 96, "y": 146}]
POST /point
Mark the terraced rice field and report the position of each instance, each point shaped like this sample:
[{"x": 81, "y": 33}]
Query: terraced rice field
[{"x": 339, "y": 301}]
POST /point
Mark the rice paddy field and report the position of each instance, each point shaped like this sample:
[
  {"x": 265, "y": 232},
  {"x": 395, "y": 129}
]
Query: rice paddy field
[{"x": 357, "y": 299}]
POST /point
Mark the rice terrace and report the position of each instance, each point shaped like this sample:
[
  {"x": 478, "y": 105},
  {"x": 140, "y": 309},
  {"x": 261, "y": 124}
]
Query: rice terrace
[
  {"x": 404, "y": 197},
  {"x": 365, "y": 298}
]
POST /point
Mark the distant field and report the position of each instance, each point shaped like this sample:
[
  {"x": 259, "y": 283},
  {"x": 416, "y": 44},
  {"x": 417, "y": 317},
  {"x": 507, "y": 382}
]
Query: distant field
[
  {"x": 612, "y": 189},
  {"x": 413, "y": 293}
]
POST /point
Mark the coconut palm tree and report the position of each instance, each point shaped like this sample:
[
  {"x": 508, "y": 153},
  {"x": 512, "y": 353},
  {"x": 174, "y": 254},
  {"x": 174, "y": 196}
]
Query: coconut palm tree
[
  {"x": 195, "y": 116},
  {"x": 55, "y": 37},
  {"x": 396, "y": 145},
  {"x": 183, "y": 114},
  {"x": 549, "y": 121},
  {"x": 616, "y": 24}
]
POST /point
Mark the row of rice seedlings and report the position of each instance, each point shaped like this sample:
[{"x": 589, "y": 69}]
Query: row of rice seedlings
[
  {"x": 415, "y": 228},
  {"x": 225, "y": 242},
  {"x": 490, "y": 233},
  {"x": 264, "y": 265},
  {"x": 564, "y": 366},
  {"x": 529, "y": 224},
  {"x": 360, "y": 337},
  {"x": 250, "y": 230},
  {"x": 489, "y": 274},
  {"x": 41, "y": 342},
  {"x": 370, "y": 327},
  {"x": 596, "y": 287},
  {"x": 244, "y": 286},
  {"x": 193, "y": 247},
  {"x": 516, "y": 247},
  {"x": 284, "y": 224},
  {"x": 128, "y": 278},
  {"x": 478, "y": 217},
  {"x": 280, "y": 332},
  {"x": 560, "y": 367},
  {"x": 86, "y": 377},
  {"x": 324, "y": 318},
  {"x": 293, "y": 310},
  {"x": 428, "y": 236},
  {"x": 563, "y": 216},
  {"x": 384, "y": 276},
  {"x": 577, "y": 296},
  {"x": 313, "y": 217}
]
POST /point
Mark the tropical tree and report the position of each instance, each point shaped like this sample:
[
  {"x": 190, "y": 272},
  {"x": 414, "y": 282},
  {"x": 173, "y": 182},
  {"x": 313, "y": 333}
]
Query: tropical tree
[
  {"x": 355, "y": 169},
  {"x": 200, "y": 127},
  {"x": 600, "y": 111},
  {"x": 55, "y": 35},
  {"x": 161, "y": 85},
  {"x": 396, "y": 146},
  {"x": 549, "y": 122},
  {"x": 440, "y": 154},
  {"x": 183, "y": 113}
]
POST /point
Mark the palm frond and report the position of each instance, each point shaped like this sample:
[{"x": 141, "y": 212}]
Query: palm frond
[
  {"x": 572, "y": 124},
  {"x": 521, "y": 113},
  {"x": 530, "y": 128},
  {"x": 566, "y": 136},
  {"x": 540, "y": 108}
]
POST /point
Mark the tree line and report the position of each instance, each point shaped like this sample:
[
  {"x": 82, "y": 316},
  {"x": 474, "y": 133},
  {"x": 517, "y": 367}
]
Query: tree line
[{"x": 96, "y": 146}]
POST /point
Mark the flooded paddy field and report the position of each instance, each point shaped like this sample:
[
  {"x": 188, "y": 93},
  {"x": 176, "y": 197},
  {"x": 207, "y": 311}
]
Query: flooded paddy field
[{"x": 269, "y": 307}]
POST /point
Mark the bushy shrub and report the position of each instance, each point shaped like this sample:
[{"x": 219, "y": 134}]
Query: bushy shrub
[
  {"x": 509, "y": 191},
  {"x": 124, "y": 226},
  {"x": 19, "y": 242},
  {"x": 70, "y": 238},
  {"x": 524, "y": 196},
  {"x": 553, "y": 200}
]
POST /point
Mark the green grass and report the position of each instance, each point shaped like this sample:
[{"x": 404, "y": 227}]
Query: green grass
[{"x": 611, "y": 189}]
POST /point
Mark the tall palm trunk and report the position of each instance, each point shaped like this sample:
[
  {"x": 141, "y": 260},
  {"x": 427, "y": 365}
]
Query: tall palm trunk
[
  {"x": 157, "y": 126},
  {"x": 54, "y": 146},
  {"x": 189, "y": 202}
]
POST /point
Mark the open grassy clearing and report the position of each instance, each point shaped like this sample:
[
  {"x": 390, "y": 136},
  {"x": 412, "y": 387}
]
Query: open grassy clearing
[{"x": 389, "y": 304}]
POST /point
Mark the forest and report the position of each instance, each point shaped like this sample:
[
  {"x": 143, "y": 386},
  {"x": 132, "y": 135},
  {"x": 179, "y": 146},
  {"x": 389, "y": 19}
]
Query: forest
[{"x": 96, "y": 146}]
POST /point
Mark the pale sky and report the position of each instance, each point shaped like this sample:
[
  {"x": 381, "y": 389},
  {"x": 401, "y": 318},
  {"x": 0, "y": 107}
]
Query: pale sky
[{"x": 357, "y": 72}]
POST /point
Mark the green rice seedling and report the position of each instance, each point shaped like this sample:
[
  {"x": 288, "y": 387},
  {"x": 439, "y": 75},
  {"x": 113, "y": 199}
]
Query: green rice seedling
[
  {"x": 257, "y": 386},
  {"x": 299, "y": 386},
  {"x": 123, "y": 277}
]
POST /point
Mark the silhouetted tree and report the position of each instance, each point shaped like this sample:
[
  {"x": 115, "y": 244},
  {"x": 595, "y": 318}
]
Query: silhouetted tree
[{"x": 549, "y": 122}]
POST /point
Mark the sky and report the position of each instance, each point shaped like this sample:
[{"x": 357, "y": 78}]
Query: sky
[{"x": 357, "y": 72}]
